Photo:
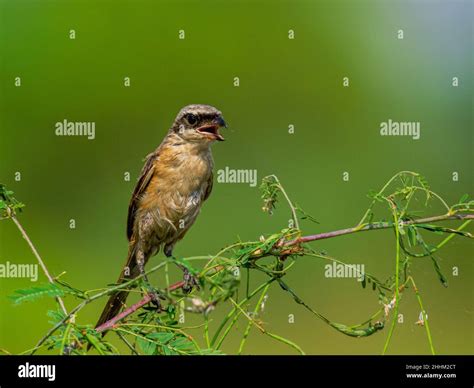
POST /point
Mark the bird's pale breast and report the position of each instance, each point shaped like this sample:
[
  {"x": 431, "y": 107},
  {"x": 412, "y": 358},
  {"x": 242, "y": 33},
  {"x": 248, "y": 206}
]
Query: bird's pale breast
[{"x": 175, "y": 194}]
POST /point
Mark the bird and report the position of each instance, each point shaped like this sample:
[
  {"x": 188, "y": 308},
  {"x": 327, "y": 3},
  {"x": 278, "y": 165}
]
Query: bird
[{"x": 174, "y": 182}]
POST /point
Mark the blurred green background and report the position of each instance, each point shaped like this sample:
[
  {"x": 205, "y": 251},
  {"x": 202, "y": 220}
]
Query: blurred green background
[{"x": 282, "y": 82}]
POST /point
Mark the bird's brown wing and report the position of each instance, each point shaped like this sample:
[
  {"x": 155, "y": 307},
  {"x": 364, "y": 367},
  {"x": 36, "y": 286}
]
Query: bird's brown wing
[
  {"x": 210, "y": 182},
  {"x": 142, "y": 184},
  {"x": 117, "y": 299}
]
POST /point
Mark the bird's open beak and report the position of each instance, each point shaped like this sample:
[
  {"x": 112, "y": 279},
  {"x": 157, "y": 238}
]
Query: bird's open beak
[{"x": 212, "y": 129}]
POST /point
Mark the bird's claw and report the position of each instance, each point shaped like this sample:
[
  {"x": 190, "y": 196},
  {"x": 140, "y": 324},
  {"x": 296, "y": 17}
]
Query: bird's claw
[
  {"x": 190, "y": 281},
  {"x": 155, "y": 295},
  {"x": 156, "y": 300}
]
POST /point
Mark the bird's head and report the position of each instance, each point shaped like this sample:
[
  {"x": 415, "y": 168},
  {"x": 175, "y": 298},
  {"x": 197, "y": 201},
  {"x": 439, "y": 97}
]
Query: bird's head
[{"x": 199, "y": 123}]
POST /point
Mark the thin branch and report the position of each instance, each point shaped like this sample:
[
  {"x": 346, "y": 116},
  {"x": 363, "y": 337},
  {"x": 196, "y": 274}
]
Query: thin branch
[
  {"x": 129, "y": 345},
  {"x": 398, "y": 174},
  {"x": 255, "y": 313},
  {"x": 290, "y": 204},
  {"x": 397, "y": 278},
  {"x": 424, "y": 316},
  {"x": 108, "y": 291},
  {"x": 11, "y": 214},
  {"x": 134, "y": 307},
  {"x": 84, "y": 303},
  {"x": 289, "y": 245},
  {"x": 374, "y": 226},
  {"x": 377, "y": 226}
]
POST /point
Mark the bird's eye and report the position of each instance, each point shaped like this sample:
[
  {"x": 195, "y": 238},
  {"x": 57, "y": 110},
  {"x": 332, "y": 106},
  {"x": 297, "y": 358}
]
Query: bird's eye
[{"x": 191, "y": 119}]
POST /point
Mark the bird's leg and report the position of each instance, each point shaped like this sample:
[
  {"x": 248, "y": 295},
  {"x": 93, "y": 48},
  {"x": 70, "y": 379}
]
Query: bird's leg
[
  {"x": 155, "y": 295},
  {"x": 190, "y": 281}
]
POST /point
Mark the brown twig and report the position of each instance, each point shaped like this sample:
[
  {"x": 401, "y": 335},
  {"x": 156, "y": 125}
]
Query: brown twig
[
  {"x": 361, "y": 228},
  {"x": 11, "y": 214},
  {"x": 377, "y": 226},
  {"x": 142, "y": 302},
  {"x": 134, "y": 307}
]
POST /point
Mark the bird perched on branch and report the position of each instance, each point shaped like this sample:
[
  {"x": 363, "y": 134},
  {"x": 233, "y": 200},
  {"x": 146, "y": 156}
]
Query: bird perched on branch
[{"x": 174, "y": 183}]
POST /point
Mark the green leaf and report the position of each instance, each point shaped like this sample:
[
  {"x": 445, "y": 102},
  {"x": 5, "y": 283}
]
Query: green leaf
[
  {"x": 147, "y": 347},
  {"x": 306, "y": 216},
  {"x": 440, "y": 230},
  {"x": 7, "y": 199},
  {"x": 56, "y": 316},
  {"x": 168, "y": 343},
  {"x": 186, "y": 264},
  {"x": 208, "y": 352},
  {"x": 161, "y": 337},
  {"x": 441, "y": 277},
  {"x": 50, "y": 290},
  {"x": 375, "y": 196},
  {"x": 357, "y": 331},
  {"x": 464, "y": 198},
  {"x": 181, "y": 343},
  {"x": 270, "y": 190},
  {"x": 71, "y": 290},
  {"x": 412, "y": 236}
]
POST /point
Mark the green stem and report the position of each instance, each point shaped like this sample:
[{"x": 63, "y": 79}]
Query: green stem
[
  {"x": 12, "y": 215},
  {"x": 231, "y": 313},
  {"x": 447, "y": 239},
  {"x": 397, "y": 279},
  {"x": 125, "y": 341},
  {"x": 81, "y": 305},
  {"x": 206, "y": 331},
  {"x": 288, "y": 200},
  {"x": 286, "y": 341},
  {"x": 255, "y": 313},
  {"x": 65, "y": 339},
  {"x": 425, "y": 318},
  {"x": 382, "y": 190}
]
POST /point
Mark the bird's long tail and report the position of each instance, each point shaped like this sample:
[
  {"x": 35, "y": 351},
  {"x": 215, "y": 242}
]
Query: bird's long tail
[{"x": 118, "y": 298}]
